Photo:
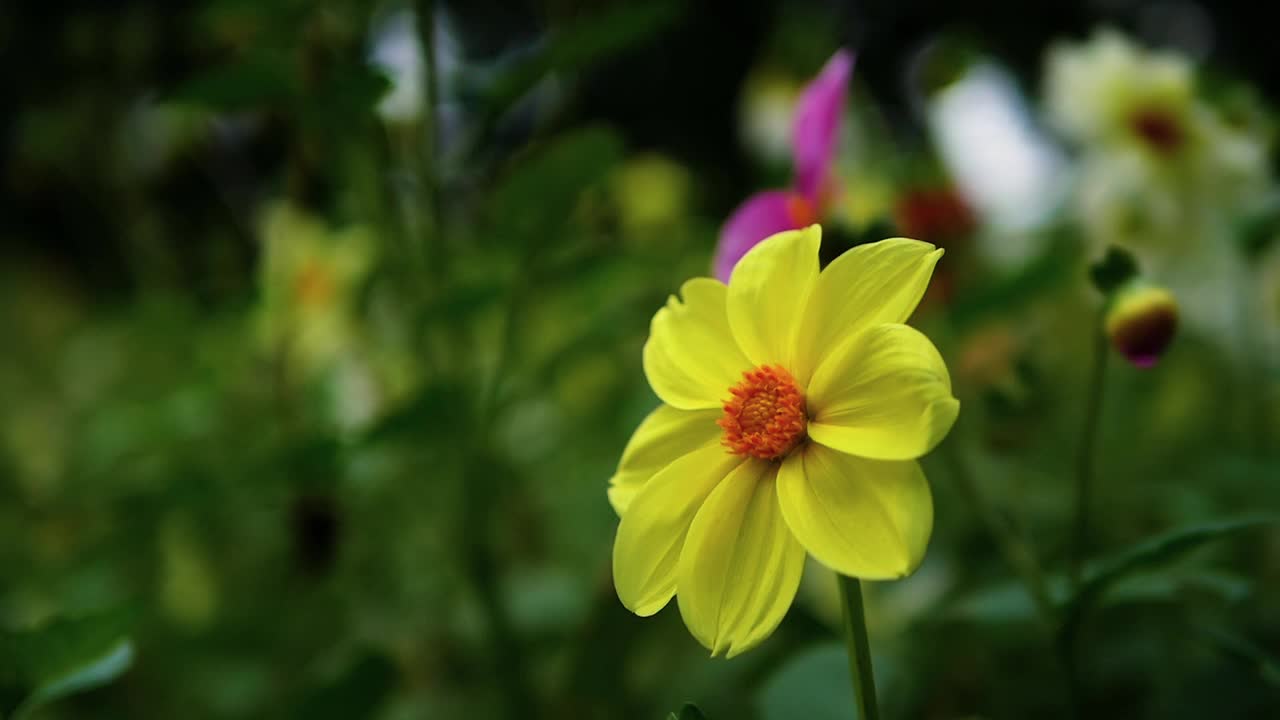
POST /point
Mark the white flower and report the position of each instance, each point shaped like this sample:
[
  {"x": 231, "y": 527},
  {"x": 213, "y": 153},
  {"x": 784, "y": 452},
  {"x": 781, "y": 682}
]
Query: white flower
[
  {"x": 1110, "y": 91},
  {"x": 397, "y": 52},
  {"x": 1159, "y": 165}
]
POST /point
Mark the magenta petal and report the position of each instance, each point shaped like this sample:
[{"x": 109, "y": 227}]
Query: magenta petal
[
  {"x": 760, "y": 216},
  {"x": 815, "y": 127}
]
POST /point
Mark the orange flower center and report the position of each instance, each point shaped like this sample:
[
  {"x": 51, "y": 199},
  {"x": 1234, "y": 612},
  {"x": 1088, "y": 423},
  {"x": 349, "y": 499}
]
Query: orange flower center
[
  {"x": 800, "y": 211},
  {"x": 313, "y": 285},
  {"x": 765, "y": 415}
]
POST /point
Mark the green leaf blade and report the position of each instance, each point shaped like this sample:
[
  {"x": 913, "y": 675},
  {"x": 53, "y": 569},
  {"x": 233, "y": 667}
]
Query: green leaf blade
[
  {"x": 1146, "y": 554},
  {"x": 62, "y": 658}
]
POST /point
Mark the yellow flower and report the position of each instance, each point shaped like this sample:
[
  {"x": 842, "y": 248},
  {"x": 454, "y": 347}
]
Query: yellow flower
[
  {"x": 310, "y": 277},
  {"x": 1142, "y": 321},
  {"x": 795, "y": 405},
  {"x": 651, "y": 192}
]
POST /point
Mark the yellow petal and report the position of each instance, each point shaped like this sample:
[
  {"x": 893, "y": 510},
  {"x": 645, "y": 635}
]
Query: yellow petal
[
  {"x": 881, "y": 282},
  {"x": 741, "y": 566},
  {"x": 666, "y": 435},
  {"x": 884, "y": 394},
  {"x": 768, "y": 291},
  {"x": 863, "y": 518},
  {"x": 647, "y": 549},
  {"x": 691, "y": 358}
]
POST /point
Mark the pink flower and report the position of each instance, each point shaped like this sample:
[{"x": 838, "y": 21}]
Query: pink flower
[{"x": 814, "y": 133}]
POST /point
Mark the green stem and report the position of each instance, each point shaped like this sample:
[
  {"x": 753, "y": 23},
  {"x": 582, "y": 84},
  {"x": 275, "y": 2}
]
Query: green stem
[
  {"x": 855, "y": 625},
  {"x": 1255, "y": 359},
  {"x": 1084, "y": 460},
  {"x": 480, "y": 494},
  {"x": 1016, "y": 552},
  {"x": 425, "y": 11},
  {"x": 1067, "y": 655}
]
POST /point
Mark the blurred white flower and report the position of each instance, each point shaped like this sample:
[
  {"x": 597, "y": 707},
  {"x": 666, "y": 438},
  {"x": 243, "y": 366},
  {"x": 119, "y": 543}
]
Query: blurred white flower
[
  {"x": 1111, "y": 91},
  {"x": 764, "y": 115},
  {"x": 1159, "y": 166},
  {"x": 398, "y": 53},
  {"x": 396, "y": 49},
  {"x": 1004, "y": 165}
]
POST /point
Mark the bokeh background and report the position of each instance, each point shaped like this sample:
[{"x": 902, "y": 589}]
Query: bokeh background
[{"x": 320, "y": 331}]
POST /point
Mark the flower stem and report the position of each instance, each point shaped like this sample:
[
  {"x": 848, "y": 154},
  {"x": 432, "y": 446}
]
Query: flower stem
[
  {"x": 855, "y": 625},
  {"x": 425, "y": 11},
  {"x": 1084, "y": 460}
]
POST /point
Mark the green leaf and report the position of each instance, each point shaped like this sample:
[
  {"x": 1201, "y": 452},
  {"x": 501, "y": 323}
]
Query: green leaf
[
  {"x": 347, "y": 94},
  {"x": 1001, "y": 602},
  {"x": 1116, "y": 268},
  {"x": 1247, "y": 651},
  {"x": 542, "y": 602},
  {"x": 357, "y": 693},
  {"x": 1006, "y": 602},
  {"x": 688, "y": 712},
  {"x": 60, "y": 659},
  {"x": 538, "y": 197},
  {"x": 438, "y": 410},
  {"x": 813, "y": 685},
  {"x": 1144, "y": 555},
  {"x": 1258, "y": 229},
  {"x": 1175, "y": 585},
  {"x": 582, "y": 44},
  {"x": 1017, "y": 289},
  {"x": 946, "y": 61},
  {"x": 257, "y": 79}
]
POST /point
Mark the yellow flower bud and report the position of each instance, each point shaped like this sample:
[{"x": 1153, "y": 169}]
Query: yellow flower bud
[{"x": 1141, "y": 322}]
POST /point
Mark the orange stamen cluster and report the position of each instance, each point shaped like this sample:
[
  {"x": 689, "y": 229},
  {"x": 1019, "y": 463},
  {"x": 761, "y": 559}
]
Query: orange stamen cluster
[
  {"x": 765, "y": 414},
  {"x": 800, "y": 211},
  {"x": 314, "y": 284}
]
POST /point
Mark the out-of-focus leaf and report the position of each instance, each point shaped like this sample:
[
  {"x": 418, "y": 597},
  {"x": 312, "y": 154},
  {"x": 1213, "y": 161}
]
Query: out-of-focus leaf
[
  {"x": 813, "y": 685},
  {"x": 60, "y": 659},
  {"x": 257, "y": 79},
  {"x": 944, "y": 62},
  {"x": 544, "y": 601},
  {"x": 1145, "y": 555},
  {"x": 1257, "y": 230},
  {"x": 585, "y": 42},
  {"x": 688, "y": 712},
  {"x": 244, "y": 23},
  {"x": 348, "y": 93},
  {"x": 361, "y": 86},
  {"x": 1172, "y": 586},
  {"x": 357, "y": 693},
  {"x": 1267, "y": 665},
  {"x": 1116, "y": 268},
  {"x": 537, "y": 197},
  {"x": 1007, "y": 602},
  {"x": 1043, "y": 274},
  {"x": 267, "y": 79},
  {"x": 311, "y": 462},
  {"x": 1004, "y": 601},
  {"x": 438, "y": 410},
  {"x": 461, "y": 302}
]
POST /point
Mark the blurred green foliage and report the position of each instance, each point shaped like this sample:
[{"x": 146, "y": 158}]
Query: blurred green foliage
[{"x": 307, "y": 408}]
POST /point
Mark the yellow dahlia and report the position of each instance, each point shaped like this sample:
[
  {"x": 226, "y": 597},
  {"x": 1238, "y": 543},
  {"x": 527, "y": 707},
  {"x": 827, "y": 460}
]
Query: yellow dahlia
[{"x": 795, "y": 405}]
